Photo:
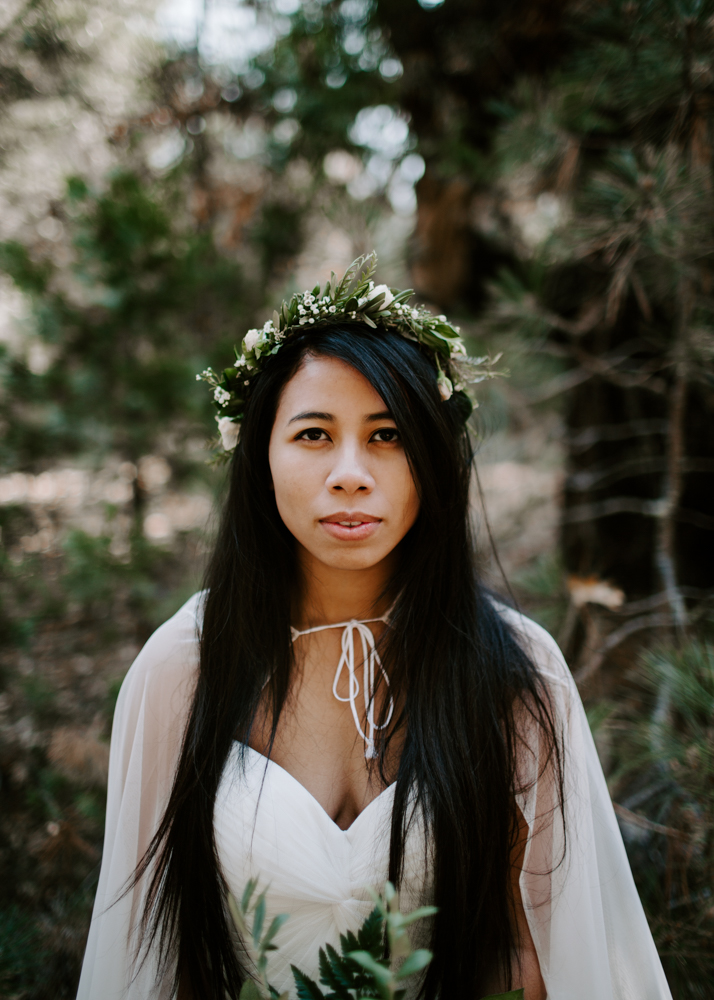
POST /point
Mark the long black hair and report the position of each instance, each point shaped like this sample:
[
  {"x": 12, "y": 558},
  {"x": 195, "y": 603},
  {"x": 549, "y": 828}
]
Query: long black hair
[{"x": 455, "y": 668}]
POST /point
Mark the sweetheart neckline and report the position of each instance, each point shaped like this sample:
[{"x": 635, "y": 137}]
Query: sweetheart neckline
[{"x": 343, "y": 830}]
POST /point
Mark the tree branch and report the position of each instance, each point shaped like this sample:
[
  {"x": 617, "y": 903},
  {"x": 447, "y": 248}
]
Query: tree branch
[
  {"x": 633, "y": 505},
  {"x": 666, "y": 541},
  {"x": 615, "y": 638}
]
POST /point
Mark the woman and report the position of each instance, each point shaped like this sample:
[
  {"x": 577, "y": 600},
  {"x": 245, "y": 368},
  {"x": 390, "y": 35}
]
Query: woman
[{"x": 345, "y": 703}]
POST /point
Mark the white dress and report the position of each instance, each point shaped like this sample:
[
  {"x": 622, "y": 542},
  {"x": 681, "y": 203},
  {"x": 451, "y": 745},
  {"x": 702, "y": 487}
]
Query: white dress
[{"x": 585, "y": 917}]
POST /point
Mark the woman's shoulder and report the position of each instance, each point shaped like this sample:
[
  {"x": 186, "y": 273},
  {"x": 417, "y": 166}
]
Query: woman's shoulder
[
  {"x": 538, "y": 643},
  {"x": 169, "y": 658}
]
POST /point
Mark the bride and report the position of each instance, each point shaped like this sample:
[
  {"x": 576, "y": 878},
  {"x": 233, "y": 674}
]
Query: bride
[{"x": 345, "y": 702}]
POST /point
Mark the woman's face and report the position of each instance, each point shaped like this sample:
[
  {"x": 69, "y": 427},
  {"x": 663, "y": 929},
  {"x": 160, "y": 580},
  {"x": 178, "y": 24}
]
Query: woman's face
[{"x": 342, "y": 482}]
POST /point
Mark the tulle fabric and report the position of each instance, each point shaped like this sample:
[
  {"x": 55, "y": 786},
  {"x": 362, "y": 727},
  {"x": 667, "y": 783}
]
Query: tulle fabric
[{"x": 585, "y": 917}]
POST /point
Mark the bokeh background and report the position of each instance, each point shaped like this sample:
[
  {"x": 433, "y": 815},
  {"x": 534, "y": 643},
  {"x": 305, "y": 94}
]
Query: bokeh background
[{"x": 540, "y": 169}]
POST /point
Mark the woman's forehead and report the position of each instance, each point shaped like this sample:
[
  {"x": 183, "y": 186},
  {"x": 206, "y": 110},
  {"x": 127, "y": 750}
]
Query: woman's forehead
[{"x": 329, "y": 385}]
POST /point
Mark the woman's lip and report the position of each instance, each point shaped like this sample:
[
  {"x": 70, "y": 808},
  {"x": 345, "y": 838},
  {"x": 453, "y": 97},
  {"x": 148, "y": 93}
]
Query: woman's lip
[
  {"x": 358, "y": 532},
  {"x": 355, "y": 515}
]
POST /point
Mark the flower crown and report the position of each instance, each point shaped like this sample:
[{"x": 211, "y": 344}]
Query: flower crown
[{"x": 353, "y": 299}]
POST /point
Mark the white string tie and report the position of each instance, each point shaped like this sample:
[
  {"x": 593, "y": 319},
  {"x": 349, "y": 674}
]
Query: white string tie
[{"x": 371, "y": 663}]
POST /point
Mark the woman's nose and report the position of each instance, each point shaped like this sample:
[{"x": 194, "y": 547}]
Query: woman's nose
[{"x": 349, "y": 472}]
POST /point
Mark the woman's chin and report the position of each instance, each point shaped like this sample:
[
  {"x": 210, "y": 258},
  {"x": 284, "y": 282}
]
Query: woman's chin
[{"x": 351, "y": 555}]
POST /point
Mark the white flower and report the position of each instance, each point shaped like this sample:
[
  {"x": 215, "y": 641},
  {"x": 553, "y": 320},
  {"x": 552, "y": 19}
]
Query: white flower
[
  {"x": 301, "y": 310},
  {"x": 240, "y": 361},
  {"x": 445, "y": 386},
  {"x": 373, "y": 293},
  {"x": 229, "y": 431},
  {"x": 442, "y": 318},
  {"x": 221, "y": 396},
  {"x": 303, "y": 321},
  {"x": 458, "y": 350},
  {"x": 251, "y": 339}
]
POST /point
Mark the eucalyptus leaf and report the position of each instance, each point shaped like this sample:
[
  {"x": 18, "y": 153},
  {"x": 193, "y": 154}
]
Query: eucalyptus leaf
[
  {"x": 376, "y": 302},
  {"x": 378, "y": 971},
  {"x": 237, "y": 914},
  {"x": 423, "y": 911},
  {"x": 275, "y": 925},
  {"x": 258, "y": 919},
  {"x": 415, "y": 962},
  {"x": 250, "y": 888}
]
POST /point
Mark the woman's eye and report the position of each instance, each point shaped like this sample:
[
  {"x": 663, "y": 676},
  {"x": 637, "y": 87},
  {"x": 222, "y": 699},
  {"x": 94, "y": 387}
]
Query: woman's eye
[
  {"x": 313, "y": 434},
  {"x": 386, "y": 435}
]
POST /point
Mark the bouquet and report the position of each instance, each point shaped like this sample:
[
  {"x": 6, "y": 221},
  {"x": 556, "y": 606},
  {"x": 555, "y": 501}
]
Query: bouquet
[{"x": 360, "y": 970}]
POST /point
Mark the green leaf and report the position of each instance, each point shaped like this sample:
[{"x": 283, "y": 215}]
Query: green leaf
[
  {"x": 415, "y": 962},
  {"x": 237, "y": 914},
  {"x": 250, "y": 887},
  {"x": 370, "y": 936},
  {"x": 250, "y": 991},
  {"x": 258, "y": 919},
  {"x": 513, "y": 995},
  {"x": 275, "y": 925},
  {"x": 336, "y": 973},
  {"x": 348, "y": 942},
  {"x": 376, "y": 302},
  {"x": 423, "y": 911},
  {"x": 307, "y": 989},
  {"x": 379, "y": 972}
]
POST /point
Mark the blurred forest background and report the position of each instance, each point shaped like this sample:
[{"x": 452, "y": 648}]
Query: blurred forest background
[{"x": 543, "y": 170}]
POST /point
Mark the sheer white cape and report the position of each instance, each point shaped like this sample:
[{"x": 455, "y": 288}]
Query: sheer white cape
[{"x": 586, "y": 920}]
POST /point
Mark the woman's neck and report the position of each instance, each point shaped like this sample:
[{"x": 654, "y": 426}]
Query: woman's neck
[{"x": 328, "y": 594}]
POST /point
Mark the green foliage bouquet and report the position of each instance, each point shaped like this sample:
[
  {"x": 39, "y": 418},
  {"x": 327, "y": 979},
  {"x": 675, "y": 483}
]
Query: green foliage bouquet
[{"x": 360, "y": 970}]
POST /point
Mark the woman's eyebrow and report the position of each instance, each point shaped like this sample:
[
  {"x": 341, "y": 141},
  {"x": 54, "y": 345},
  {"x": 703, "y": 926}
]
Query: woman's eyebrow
[
  {"x": 311, "y": 415},
  {"x": 318, "y": 415}
]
